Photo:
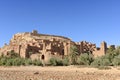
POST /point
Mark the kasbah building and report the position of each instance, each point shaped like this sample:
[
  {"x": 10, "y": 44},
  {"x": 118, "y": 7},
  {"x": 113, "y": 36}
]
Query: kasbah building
[{"x": 42, "y": 46}]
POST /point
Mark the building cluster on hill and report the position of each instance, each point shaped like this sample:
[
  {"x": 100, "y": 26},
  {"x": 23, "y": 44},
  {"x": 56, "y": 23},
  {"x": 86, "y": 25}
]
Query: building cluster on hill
[{"x": 42, "y": 46}]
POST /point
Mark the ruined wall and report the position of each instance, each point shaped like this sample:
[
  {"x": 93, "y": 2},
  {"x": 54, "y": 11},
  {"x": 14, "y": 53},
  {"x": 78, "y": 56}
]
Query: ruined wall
[
  {"x": 101, "y": 51},
  {"x": 86, "y": 47}
]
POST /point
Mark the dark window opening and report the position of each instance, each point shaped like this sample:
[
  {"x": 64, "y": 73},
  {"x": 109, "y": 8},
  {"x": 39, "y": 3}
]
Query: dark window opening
[
  {"x": 31, "y": 49},
  {"x": 62, "y": 52},
  {"x": 33, "y": 43},
  {"x": 42, "y": 57},
  {"x": 7, "y": 53}
]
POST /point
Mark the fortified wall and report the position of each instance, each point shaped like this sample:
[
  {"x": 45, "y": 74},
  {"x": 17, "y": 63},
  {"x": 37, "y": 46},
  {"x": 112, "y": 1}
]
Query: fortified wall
[{"x": 42, "y": 46}]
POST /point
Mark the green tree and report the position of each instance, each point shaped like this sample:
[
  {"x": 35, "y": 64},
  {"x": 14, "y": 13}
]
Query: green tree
[
  {"x": 110, "y": 50},
  {"x": 116, "y": 60},
  {"x": 85, "y": 59},
  {"x": 74, "y": 52},
  {"x": 102, "y": 61},
  {"x": 117, "y": 50}
]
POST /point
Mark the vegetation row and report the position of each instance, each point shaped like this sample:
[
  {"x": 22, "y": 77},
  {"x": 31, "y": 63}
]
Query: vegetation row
[{"x": 111, "y": 58}]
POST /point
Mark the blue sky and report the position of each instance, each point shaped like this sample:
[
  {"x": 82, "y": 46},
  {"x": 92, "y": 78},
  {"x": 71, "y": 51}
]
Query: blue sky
[{"x": 91, "y": 20}]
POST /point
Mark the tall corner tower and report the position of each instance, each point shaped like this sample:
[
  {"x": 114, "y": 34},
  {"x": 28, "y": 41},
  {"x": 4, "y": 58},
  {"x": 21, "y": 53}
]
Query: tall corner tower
[{"x": 103, "y": 47}]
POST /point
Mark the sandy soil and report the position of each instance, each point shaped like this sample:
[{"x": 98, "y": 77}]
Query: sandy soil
[{"x": 57, "y": 73}]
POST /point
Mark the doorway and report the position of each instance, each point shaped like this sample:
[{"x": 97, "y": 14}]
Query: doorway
[{"x": 42, "y": 57}]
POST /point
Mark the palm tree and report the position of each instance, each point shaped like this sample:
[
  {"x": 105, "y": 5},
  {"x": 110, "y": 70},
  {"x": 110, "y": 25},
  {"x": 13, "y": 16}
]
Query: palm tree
[{"x": 74, "y": 52}]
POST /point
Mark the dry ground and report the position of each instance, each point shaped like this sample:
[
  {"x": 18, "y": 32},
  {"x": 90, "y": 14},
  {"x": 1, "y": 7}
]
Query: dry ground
[{"x": 57, "y": 73}]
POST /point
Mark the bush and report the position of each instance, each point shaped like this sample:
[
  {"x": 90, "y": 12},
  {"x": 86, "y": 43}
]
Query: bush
[
  {"x": 59, "y": 62},
  {"x": 117, "y": 50},
  {"x": 110, "y": 56},
  {"x": 37, "y": 62},
  {"x": 85, "y": 59},
  {"x": 28, "y": 62},
  {"x": 101, "y": 61},
  {"x": 65, "y": 61},
  {"x": 17, "y": 61},
  {"x": 3, "y": 61},
  {"x": 105, "y": 62},
  {"x": 56, "y": 62},
  {"x": 116, "y": 61},
  {"x": 12, "y": 61},
  {"x": 9, "y": 62},
  {"x": 53, "y": 61},
  {"x": 96, "y": 62}
]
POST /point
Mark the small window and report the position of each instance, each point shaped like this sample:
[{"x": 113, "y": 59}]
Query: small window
[
  {"x": 62, "y": 52},
  {"x": 42, "y": 57}
]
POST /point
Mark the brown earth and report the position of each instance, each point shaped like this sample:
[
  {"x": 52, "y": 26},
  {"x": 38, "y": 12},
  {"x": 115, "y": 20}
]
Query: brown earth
[{"x": 57, "y": 73}]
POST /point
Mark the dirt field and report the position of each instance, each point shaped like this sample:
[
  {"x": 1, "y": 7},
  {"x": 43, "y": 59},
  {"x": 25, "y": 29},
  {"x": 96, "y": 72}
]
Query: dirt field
[{"x": 57, "y": 73}]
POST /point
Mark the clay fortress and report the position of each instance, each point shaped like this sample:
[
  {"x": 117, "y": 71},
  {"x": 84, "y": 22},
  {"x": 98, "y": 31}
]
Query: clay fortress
[{"x": 42, "y": 46}]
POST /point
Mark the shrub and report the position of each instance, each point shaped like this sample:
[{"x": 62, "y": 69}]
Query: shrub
[
  {"x": 59, "y": 62},
  {"x": 28, "y": 62},
  {"x": 65, "y": 61},
  {"x": 110, "y": 56},
  {"x": 37, "y": 62},
  {"x": 53, "y": 61},
  {"x": 16, "y": 61},
  {"x": 8, "y": 62},
  {"x": 96, "y": 62},
  {"x": 56, "y": 62},
  {"x": 105, "y": 62},
  {"x": 116, "y": 61},
  {"x": 117, "y": 50},
  {"x": 101, "y": 61},
  {"x": 22, "y": 61},
  {"x": 3, "y": 61},
  {"x": 85, "y": 59}
]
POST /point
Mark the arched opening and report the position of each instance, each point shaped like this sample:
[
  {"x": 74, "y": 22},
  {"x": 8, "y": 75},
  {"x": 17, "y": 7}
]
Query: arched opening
[{"x": 42, "y": 57}]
